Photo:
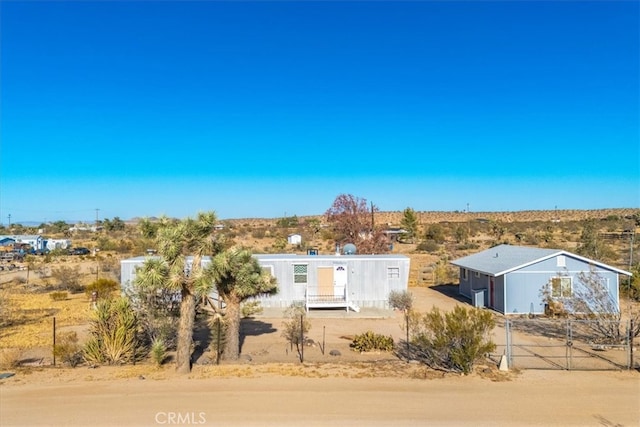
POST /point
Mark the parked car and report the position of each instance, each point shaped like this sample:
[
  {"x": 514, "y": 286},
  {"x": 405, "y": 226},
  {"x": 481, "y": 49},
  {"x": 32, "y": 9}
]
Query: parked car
[{"x": 80, "y": 251}]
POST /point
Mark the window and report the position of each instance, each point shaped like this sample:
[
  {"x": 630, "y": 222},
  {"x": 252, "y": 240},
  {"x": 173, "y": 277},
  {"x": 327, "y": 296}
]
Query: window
[
  {"x": 561, "y": 287},
  {"x": 393, "y": 272},
  {"x": 465, "y": 274},
  {"x": 299, "y": 273},
  {"x": 477, "y": 273},
  {"x": 561, "y": 261}
]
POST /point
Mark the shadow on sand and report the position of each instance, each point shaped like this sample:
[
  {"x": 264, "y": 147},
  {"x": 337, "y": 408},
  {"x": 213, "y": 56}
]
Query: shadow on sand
[
  {"x": 451, "y": 290},
  {"x": 252, "y": 327}
]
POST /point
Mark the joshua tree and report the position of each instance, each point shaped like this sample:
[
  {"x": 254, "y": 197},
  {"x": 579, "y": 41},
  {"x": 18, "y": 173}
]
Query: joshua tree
[
  {"x": 181, "y": 247},
  {"x": 238, "y": 277}
]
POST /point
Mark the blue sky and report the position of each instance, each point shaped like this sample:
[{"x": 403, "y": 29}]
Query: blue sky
[{"x": 265, "y": 109}]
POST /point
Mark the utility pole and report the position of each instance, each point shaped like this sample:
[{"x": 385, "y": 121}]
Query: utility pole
[
  {"x": 97, "y": 210},
  {"x": 9, "y": 220},
  {"x": 372, "y": 219}
]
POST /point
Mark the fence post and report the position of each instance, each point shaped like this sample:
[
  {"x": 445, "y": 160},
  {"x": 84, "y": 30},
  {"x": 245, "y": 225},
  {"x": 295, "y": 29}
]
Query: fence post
[
  {"x": 54, "y": 340},
  {"x": 507, "y": 328},
  {"x": 631, "y": 329},
  {"x": 569, "y": 351},
  {"x": 302, "y": 338}
]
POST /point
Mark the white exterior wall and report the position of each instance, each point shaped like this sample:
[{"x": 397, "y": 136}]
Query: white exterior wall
[
  {"x": 294, "y": 239},
  {"x": 52, "y": 244},
  {"x": 368, "y": 280}
]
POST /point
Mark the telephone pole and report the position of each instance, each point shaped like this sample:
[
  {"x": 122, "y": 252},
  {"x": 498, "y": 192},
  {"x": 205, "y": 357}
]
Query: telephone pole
[{"x": 97, "y": 210}]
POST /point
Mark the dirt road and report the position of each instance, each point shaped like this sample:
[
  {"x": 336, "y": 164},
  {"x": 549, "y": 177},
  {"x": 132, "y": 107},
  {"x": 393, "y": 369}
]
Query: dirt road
[{"x": 532, "y": 398}]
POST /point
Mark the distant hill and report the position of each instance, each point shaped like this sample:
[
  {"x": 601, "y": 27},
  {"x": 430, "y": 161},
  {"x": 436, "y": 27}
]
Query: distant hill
[{"x": 429, "y": 217}]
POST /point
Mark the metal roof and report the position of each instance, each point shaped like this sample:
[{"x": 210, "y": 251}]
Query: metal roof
[
  {"x": 503, "y": 259},
  {"x": 296, "y": 257}
]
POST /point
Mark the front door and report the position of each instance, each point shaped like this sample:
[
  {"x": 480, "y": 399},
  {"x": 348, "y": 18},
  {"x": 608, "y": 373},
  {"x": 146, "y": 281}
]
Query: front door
[
  {"x": 340, "y": 276},
  {"x": 325, "y": 281}
]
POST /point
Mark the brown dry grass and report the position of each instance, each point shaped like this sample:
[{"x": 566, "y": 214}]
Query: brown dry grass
[{"x": 30, "y": 322}]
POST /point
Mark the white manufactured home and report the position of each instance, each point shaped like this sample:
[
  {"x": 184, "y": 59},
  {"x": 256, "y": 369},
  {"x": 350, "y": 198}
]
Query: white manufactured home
[
  {"x": 321, "y": 281},
  {"x": 335, "y": 281}
]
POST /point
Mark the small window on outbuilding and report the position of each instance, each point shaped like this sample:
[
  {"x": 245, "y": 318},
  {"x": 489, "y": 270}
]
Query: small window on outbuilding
[
  {"x": 393, "y": 272},
  {"x": 561, "y": 261},
  {"x": 465, "y": 274}
]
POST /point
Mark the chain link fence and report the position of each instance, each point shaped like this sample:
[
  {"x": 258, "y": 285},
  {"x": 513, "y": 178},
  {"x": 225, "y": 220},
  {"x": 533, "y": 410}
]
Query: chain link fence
[{"x": 566, "y": 344}]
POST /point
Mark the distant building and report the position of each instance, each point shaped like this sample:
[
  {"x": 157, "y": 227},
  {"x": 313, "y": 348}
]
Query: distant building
[
  {"x": 294, "y": 239},
  {"x": 34, "y": 240}
]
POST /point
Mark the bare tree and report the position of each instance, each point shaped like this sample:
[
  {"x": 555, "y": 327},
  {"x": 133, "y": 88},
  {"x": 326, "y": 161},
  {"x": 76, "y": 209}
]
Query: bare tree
[
  {"x": 353, "y": 222},
  {"x": 592, "y": 299}
]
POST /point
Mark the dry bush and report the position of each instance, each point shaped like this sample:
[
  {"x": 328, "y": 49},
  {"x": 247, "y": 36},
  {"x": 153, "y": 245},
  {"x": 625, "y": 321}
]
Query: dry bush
[
  {"x": 6, "y": 308},
  {"x": 59, "y": 295},
  {"x": 10, "y": 357}
]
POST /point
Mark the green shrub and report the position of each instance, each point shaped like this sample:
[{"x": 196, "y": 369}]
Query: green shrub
[
  {"x": 452, "y": 341},
  {"x": 59, "y": 295},
  {"x": 113, "y": 332},
  {"x": 428, "y": 246},
  {"x": 370, "y": 341},
  {"x": 158, "y": 351},
  {"x": 251, "y": 308}
]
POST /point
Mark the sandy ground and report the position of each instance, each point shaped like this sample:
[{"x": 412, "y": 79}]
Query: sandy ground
[
  {"x": 270, "y": 387},
  {"x": 532, "y": 398}
]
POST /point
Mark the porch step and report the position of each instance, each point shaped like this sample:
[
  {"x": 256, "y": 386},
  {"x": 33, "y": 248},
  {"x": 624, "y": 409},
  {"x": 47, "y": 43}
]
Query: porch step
[{"x": 354, "y": 307}]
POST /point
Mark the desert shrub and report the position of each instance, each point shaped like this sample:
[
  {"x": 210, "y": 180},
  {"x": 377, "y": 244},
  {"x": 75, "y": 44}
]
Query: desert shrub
[
  {"x": 68, "y": 350},
  {"x": 251, "y": 308},
  {"x": 296, "y": 326},
  {"x": 42, "y": 271},
  {"x": 401, "y": 300},
  {"x": 59, "y": 295},
  {"x": 157, "y": 313},
  {"x": 67, "y": 278},
  {"x": 113, "y": 332},
  {"x": 452, "y": 341},
  {"x": 435, "y": 233},
  {"x": 104, "y": 288},
  {"x": 104, "y": 243},
  {"x": 370, "y": 341},
  {"x": 428, "y": 246},
  {"x": 10, "y": 357},
  {"x": 109, "y": 264},
  {"x": 158, "y": 351},
  {"x": 467, "y": 246},
  {"x": 258, "y": 233},
  {"x": 6, "y": 308}
]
